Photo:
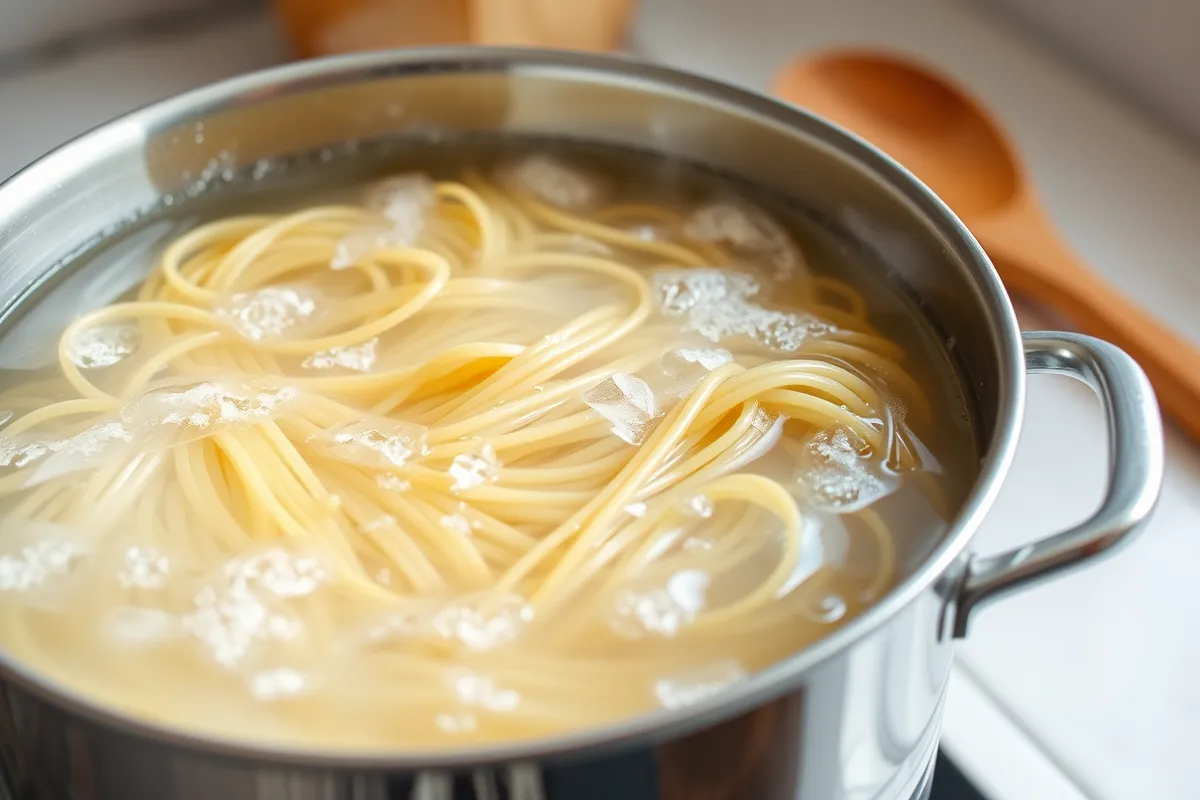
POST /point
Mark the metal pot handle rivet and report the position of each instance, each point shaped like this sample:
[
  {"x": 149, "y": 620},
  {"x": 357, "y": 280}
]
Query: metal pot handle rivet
[{"x": 1135, "y": 444}]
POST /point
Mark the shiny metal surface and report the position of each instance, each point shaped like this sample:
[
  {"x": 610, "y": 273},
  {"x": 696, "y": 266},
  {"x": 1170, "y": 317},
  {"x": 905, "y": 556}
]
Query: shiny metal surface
[
  {"x": 854, "y": 717},
  {"x": 862, "y": 726},
  {"x": 1134, "y": 473}
]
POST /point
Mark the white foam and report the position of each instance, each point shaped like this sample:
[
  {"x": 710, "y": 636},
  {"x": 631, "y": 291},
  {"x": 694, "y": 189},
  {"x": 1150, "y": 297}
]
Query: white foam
[
  {"x": 104, "y": 345},
  {"x": 680, "y": 291},
  {"x": 278, "y": 684},
  {"x": 829, "y": 608},
  {"x": 472, "y": 689},
  {"x": 87, "y": 449},
  {"x": 628, "y": 403},
  {"x": 456, "y": 524},
  {"x": 637, "y": 509},
  {"x": 456, "y": 723},
  {"x": 465, "y": 621},
  {"x": 476, "y": 622},
  {"x": 699, "y": 506},
  {"x": 374, "y": 442},
  {"x": 25, "y": 449},
  {"x": 695, "y": 685},
  {"x": 392, "y": 483},
  {"x": 269, "y": 313},
  {"x": 660, "y": 610},
  {"x": 698, "y": 544},
  {"x": 686, "y": 367},
  {"x": 144, "y": 568},
  {"x": 478, "y": 467},
  {"x": 153, "y": 421},
  {"x": 716, "y": 303},
  {"x": 240, "y": 607},
  {"x": 381, "y": 523},
  {"x": 356, "y": 357},
  {"x": 554, "y": 182},
  {"x": 836, "y": 477},
  {"x": 748, "y": 230},
  {"x": 40, "y": 562},
  {"x": 279, "y": 572},
  {"x": 204, "y": 409},
  {"x": 405, "y": 201}
]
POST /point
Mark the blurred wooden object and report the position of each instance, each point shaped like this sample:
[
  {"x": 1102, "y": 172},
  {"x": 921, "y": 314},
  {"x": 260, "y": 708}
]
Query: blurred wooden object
[
  {"x": 325, "y": 27},
  {"x": 956, "y": 146}
]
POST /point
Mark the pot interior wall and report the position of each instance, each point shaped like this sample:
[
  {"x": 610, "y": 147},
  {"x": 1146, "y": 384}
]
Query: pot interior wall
[{"x": 100, "y": 182}]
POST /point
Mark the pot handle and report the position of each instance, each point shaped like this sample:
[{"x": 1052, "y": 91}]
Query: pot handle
[{"x": 1135, "y": 456}]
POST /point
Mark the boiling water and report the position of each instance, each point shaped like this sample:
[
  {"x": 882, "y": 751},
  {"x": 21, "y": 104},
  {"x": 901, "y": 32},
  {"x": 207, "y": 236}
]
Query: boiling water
[{"x": 112, "y": 584}]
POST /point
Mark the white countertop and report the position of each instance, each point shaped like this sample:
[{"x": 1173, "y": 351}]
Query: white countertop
[{"x": 1083, "y": 688}]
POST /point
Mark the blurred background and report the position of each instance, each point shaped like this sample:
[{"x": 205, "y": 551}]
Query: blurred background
[{"x": 1082, "y": 690}]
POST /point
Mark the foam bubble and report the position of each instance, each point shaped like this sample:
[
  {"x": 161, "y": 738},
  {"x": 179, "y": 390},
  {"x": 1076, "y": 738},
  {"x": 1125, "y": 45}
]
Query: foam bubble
[
  {"x": 104, "y": 345},
  {"x": 268, "y": 313},
  {"x": 42, "y": 561},
  {"x": 385, "y": 522},
  {"x": 278, "y": 572},
  {"x": 637, "y": 509},
  {"x": 660, "y": 610},
  {"x": 392, "y": 483},
  {"x": 716, "y": 304},
  {"x": 206, "y": 408},
  {"x": 23, "y": 449},
  {"x": 85, "y": 450},
  {"x": 278, "y": 684},
  {"x": 456, "y": 723},
  {"x": 835, "y": 476},
  {"x": 357, "y": 357},
  {"x": 680, "y": 291},
  {"x": 374, "y": 442},
  {"x": 404, "y": 200},
  {"x": 695, "y": 685},
  {"x": 240, "y": 606},
  {"x": 467, "y": 622},
  {"x": 475, "y": 468},
  {"x": 476, "y": 622},
  {"x": 748, "y": 230},
  {"x": 144, "y": 568},
  {"x": 699, "y": 506},
  {"x": 554, "y": 182},
  {"x": 686, "y": 367},
  {"x": 828, "y": 608},
  {"x": 473, "y": 689},
  {"x": 628, "y": 403},
  {"x": 456, "y": 524}
]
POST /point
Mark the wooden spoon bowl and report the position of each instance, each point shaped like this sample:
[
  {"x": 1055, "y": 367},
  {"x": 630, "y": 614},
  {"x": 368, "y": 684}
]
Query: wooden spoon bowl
[{"x": 952, "y": 143}]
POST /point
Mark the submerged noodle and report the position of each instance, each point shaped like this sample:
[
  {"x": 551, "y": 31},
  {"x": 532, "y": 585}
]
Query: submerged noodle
[{"x": 494, "y": 478}]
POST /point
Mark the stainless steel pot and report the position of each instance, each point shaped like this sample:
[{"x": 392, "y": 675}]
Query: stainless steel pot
[{"x": 854, "y": 717}]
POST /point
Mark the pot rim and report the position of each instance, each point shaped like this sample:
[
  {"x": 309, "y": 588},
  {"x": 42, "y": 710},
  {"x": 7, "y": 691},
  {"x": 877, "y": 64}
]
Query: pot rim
[{"x": 757, "y": 689}]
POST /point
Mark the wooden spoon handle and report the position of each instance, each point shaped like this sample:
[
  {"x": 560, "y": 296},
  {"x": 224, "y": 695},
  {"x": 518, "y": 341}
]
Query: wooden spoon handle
[{"x": 1098, "y": 308}]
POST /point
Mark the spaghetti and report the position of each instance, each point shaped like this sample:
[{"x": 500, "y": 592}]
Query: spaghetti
[{"x": 455, "y": 464}]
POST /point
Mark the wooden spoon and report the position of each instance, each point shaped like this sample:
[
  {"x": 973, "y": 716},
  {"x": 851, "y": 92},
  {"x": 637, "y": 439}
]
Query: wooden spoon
[{"x": 953, "y": 144}]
